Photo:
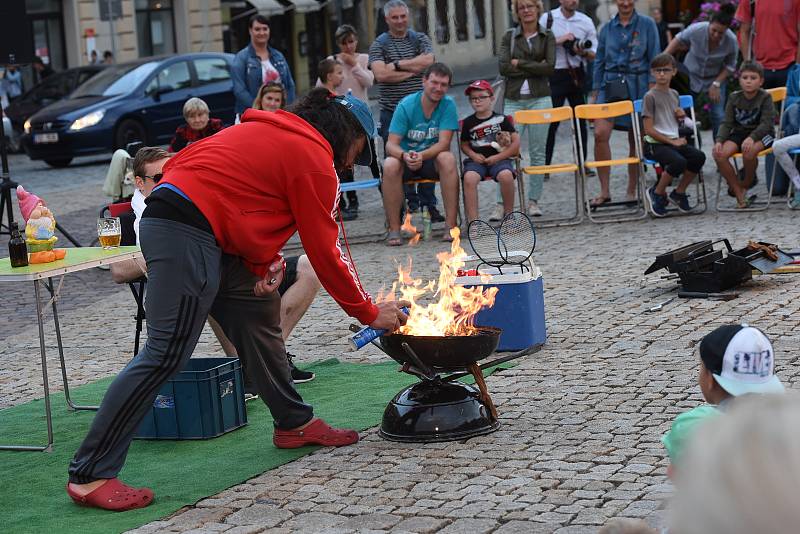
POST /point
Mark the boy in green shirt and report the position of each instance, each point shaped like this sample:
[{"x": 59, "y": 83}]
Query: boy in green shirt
[
  {"x": 735, "y": 360},
  {"x": 749, "y": 128}
]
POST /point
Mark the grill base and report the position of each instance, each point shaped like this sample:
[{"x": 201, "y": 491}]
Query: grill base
[{"x": 433, "y": 411}]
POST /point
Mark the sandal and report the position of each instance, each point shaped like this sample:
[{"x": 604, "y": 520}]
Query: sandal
[
  {"x": 746, "y": 203},
  {"x": 394, "y": 239},
  {"x": 598, "y": 201},
  {"x": 317, "y": 433},
  {"x": 114, "y": 495},
  {"x": 446, "y": 237}
]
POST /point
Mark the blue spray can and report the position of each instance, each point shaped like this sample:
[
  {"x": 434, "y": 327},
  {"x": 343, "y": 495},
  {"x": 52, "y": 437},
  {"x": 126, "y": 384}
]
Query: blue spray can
[{"x": 367, "y": 334}]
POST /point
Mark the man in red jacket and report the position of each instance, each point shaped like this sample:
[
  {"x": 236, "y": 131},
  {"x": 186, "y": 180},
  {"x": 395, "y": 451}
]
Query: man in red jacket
[{"x": 211, "y": 236}]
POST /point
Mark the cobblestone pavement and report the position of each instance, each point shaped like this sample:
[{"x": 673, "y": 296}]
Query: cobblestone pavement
[{"x": 581, "y": 419}]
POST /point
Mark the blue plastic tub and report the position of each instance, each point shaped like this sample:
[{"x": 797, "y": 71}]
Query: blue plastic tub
[
  {"x": 518, "y": 308},
  {"x": 203, "y": 401}
]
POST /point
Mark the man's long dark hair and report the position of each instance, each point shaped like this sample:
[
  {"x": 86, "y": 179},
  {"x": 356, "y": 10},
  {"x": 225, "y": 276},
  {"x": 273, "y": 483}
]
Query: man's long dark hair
[{"x": 336, "y": 124}]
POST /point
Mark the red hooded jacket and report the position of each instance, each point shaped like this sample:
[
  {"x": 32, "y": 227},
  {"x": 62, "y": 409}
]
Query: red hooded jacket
[{"x": 260, "y": 181}]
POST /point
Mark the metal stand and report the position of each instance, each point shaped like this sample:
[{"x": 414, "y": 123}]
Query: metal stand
[{"x": 40, "y": 312}]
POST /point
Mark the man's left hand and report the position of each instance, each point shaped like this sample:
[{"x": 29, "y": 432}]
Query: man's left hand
[{"x": 271, "y": 281}]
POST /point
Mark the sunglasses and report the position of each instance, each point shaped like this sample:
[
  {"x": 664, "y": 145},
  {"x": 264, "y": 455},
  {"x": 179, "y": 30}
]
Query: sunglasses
[
  {"x": 156, "y": 177},
  {"x": 479, "y": 98}
]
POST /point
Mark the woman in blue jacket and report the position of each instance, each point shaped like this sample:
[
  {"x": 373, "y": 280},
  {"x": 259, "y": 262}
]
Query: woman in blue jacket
[
  {"x": 626, "y": 46},
  {"x": 257, "y": 64}
]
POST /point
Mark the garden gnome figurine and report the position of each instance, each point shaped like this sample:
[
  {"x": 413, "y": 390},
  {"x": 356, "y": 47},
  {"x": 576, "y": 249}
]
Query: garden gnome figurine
[{"x": 40, "y": 225}]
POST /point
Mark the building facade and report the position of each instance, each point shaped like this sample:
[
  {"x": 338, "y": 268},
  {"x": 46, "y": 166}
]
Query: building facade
[{"x": 65, "y": 32}]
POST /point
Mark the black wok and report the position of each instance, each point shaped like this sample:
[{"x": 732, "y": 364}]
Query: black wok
[{"x": 445, "y": 353}]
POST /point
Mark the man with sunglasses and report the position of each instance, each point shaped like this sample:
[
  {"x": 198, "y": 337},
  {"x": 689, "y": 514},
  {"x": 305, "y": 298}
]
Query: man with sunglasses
[{"x": 147, "y": 166}]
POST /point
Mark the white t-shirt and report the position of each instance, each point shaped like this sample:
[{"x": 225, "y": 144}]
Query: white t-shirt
[
  {"x": 138, "y": 206},
  {"x": 268, "y": 72},
  {"x": 579, "y": 25},
  {"x": 525, "y": 89}
]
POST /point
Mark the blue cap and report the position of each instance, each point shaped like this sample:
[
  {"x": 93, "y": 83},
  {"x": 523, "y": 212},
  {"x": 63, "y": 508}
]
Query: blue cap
[{"x": 360, "y": 109}]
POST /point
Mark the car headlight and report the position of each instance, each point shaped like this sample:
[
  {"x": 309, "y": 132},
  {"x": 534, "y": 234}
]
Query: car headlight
[
  {"x": 27, "y": 126},
  {"x": 88, "y": 120}
]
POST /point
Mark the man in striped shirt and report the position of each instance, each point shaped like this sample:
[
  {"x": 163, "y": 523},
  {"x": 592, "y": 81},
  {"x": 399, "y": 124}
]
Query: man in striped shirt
[{"x": 398, "y": 58}]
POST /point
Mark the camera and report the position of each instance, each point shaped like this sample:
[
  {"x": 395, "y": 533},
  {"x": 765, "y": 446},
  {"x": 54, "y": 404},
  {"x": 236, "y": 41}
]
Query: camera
[{"x": 573, "y": 45}]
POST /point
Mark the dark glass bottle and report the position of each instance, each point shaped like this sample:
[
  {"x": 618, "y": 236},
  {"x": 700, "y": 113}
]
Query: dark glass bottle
[{"x": 17, "y": 249}]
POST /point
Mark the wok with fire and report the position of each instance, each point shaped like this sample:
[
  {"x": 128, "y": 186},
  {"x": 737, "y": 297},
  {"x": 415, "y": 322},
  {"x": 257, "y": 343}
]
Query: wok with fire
[{"x": 440, "y": 344}]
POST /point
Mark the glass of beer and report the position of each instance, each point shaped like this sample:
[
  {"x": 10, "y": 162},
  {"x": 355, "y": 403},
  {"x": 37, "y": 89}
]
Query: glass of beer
[{"x": 109, "y": 231}]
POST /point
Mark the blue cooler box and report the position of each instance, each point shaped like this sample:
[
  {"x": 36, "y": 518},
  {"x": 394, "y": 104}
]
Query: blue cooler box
[
  {"x": 518, "y": 308},
  {"x": 203, "y": 401}
]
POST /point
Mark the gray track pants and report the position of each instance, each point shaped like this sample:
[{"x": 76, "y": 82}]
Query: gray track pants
[{"x": 188, "y": 279}]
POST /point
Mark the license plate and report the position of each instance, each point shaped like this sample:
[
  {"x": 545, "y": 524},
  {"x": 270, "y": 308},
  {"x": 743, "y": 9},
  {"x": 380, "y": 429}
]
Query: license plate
[{"x": 45, "y": 138}]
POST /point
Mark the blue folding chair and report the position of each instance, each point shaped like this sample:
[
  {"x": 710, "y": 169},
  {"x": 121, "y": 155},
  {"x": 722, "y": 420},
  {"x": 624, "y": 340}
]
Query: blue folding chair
[{"x": 687, "y": 103}]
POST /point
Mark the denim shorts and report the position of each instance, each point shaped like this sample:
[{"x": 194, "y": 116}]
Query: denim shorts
[{"x": 488, "y": 170}]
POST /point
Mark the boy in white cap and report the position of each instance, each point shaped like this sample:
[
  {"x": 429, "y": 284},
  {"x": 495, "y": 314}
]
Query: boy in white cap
[{"x": 735, "y": 360}]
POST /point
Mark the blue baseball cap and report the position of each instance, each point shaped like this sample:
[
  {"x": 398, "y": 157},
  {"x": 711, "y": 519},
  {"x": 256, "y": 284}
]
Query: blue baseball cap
[{"x": 360, "y": 109}]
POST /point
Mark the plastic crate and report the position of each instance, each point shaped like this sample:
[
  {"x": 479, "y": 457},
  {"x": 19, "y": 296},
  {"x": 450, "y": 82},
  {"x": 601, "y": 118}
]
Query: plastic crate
[{"x": 203, "y": 401}]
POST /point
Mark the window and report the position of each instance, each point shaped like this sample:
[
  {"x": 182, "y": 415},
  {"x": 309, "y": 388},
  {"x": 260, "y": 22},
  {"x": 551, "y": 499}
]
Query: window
[
  {"x": 171, "y": 78},
  {"x": 461, "y": 21},
  {"x": 44, "y": 17},
  {"x": 442, "y": 22},
  {"x": 210, "y": 70},
  {"x": 479, "y": 18},
  {"x": 418, "y": 13},
  {"x": 85, "y": 75},
  {"x": 155, "y": 27}
]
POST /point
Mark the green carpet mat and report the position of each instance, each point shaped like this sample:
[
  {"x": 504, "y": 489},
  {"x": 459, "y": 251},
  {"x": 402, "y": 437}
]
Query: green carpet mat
[{"x": 181, "y": 473}]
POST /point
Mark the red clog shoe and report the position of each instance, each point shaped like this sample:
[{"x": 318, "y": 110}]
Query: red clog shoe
[
  {"x": 317, "y": 433},
  {"x": 114, "y": 495}
]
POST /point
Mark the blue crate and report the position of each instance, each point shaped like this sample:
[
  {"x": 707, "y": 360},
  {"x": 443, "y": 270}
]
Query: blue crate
[{"x": 203, "y": 401}]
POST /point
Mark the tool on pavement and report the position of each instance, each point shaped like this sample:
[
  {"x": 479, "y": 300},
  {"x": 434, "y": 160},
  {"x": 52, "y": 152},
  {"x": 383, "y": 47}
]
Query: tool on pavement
[
  {"x": 658, "y": 307},
  {"x": 711, "y": 296}
]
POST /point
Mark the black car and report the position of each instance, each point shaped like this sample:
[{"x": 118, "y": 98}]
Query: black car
[
  {"x": 137, "y": 101},
  {"x": 52, "y": 89}
]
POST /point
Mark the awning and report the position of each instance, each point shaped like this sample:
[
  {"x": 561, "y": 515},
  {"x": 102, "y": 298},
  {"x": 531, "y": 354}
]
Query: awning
[
  {"x": 268, "y": 7},
  {"x": 307, "y": 6}
]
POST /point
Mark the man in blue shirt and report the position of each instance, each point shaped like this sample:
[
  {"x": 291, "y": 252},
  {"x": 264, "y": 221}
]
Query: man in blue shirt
[{"x": 419, "y": 148}]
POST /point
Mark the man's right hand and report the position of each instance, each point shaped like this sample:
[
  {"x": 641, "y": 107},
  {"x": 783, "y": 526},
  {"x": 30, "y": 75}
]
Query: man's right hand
[
  {"x": 678, "y": 141},
  {"x": 390, "y": 316}
]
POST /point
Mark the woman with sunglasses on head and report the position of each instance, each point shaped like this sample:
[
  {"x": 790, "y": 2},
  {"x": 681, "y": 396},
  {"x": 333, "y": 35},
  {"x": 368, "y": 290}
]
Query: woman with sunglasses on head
[
  {"x": 358, "y": 78},
  {"x": 211, "y": 236},
  {"x": 271, "y": 97}
]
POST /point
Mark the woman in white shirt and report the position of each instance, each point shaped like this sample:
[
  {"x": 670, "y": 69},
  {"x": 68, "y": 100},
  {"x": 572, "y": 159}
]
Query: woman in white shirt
[{"x": 358, "y": 78}]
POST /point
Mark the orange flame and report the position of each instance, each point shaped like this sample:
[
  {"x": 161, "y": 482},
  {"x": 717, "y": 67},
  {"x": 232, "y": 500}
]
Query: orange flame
[
  {"x": 453, "y": 313},
  {"x": 410, "y": 228}
]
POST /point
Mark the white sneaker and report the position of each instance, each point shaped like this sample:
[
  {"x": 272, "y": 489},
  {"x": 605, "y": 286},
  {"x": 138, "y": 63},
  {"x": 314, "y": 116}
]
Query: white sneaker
[
  {"x": 497, "y": 213},
  {"x": 533, "y": 209}
]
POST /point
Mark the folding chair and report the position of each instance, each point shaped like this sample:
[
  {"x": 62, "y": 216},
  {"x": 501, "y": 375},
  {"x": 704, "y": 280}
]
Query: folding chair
[
  {"x": 550, "y": 116},
  {"x": 517, "y": 174},
  {"x": 612, "y": 111},
  {"x": 778, "y": 94},
  {"x": 124, "y": 211},
  {"x": 686, "y": 102},
  {"x": 790, "y": 191}
]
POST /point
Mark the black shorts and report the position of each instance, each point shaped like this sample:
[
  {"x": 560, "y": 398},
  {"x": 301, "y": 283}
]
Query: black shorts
[
  {"x": 426, "y": 172},
  {"x": 739, "y": 138},
  {"x": 289, "y": 275}
]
